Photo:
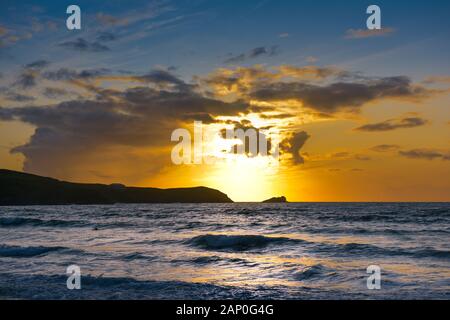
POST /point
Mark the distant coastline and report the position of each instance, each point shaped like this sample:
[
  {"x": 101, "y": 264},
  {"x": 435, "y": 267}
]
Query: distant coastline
[{"x": 18, "y": 188}]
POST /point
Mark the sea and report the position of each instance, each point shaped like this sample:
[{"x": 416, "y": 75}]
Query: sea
[{"x": 226, "y": 251}]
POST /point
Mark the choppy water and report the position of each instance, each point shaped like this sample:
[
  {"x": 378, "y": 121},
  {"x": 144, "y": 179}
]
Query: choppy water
[{"x": 240, "y": 251}]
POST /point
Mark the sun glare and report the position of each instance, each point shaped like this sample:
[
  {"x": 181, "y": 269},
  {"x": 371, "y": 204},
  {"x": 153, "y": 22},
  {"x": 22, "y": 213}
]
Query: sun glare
[{"x": 244, "y": 179}]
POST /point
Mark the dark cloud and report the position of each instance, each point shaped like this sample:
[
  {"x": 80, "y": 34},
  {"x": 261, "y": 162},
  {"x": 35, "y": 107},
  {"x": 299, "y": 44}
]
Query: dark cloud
[
  {"x": 135, "y": 117},
  {"x": 236, "y": 59},
  {"x": 28, "y": 77},
  {"x": 393, "y": 124},
  {"x": 26, "y": 80},
  {"x": 83, "y": 45},
  {"x": 17, "y": 97},
  {"x": 340, "y": 95},
  {"x": 254, "y": 53},
  {"x": 204, "y": 117},
  {"x": 425, "y": 154},
  {"x": 55, "y": 93},
  {"x": 106, "y": 36},
  {"x": 38, "y": 64},
  {"x": 175, "y": 103},
  {"x": 385, "y": 148},
  {"x": 164, "y": 77},
  {"x": 261, "y": 51},
  {"x": 293, "y": 144},
  {"x": 247, "y": 130},
  {"x": 70, "y": 74},
  {"x": 344, "y": 155},
  {"x": 362, "y": 157}
]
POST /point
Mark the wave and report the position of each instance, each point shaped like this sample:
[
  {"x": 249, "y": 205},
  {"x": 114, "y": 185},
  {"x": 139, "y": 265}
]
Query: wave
[
  {"x": 206, "y": 260},
  {"x": 314, "y": 272},
  {"x": 362, "y": 249},
  {"x": 13, "y": 222},
  {"x": 244, "y": 211},
  {"x": 26, "y": 252},
  {"x": 416, "y": 253},
  {"x": 14, "y": 286},
  {"x": 433, "y": 253},
  {"x": 137, "y": 256},
  {"x": 235, "y": 242},
  {"x": 19, "y": 221}
]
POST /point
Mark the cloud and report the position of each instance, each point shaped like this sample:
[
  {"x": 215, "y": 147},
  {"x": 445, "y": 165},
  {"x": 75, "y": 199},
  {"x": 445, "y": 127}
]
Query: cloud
[
  {"x": 284, "y": 35},
  {"x": 3, "y": 31},
  {"x": 254, "y": 53},
  {"x": 366, "y": 33},
  {"x": 276, "y": 115},
  {"x": 437, "y": 79},
  {"x": 38, "y": 64},
  {"x": 143, "y": 14},
  {"x": 242, "y": 80},
  {"x": 311, "y": 59},
  {"x": 109, "y": 20},
  {"x": 106, "y": 36},
  {"x": 262, "y": 139},
  {"x": 29, "y": 75},
  {"x": 11, "y": 35},
  {"x": 126, "y": 120},
  {"x": 339, "y": 96},
  {"x": 425, "y": 154},
  {"x": 163, "y": 76},
  {"x": 393, "y": 124},
  {"x": 293, "y": 145},
  {"x": 26, "y": 80},
  {"x": 362, "y": 157},
  {"x": 260, "y": 51},
  {"x": 55, "y": 93},
  {"x": 83, "y": 45},
  {"x": 344, "y": 155},
  {"x": 137, "y": 115},
  {"x": 17, "y": 97},
  {"x": 71, "y": 74},
  {"x": 308, "y": 72},
  {"x": 385, "y": 148},
  {"x": 236, "y": 59}
]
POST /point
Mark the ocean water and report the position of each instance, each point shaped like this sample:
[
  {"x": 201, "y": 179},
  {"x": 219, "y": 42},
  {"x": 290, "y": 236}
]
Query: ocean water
[{"x": 226, "y": 251}]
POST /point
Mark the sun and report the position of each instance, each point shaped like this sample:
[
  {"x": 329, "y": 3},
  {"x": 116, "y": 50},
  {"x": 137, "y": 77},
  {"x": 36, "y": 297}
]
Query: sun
[{"x": 244, "y": 179}]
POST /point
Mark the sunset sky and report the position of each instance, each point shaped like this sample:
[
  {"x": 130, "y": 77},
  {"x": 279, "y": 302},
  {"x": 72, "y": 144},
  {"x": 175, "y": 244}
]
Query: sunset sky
[{"x": 363, "y": 116}]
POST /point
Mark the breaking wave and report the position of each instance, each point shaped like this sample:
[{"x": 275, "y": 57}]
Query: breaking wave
[
  {"x": 6, "y": 222},
  {"x": 27, "y": 252},
  {"x": 236, "y": 242}
]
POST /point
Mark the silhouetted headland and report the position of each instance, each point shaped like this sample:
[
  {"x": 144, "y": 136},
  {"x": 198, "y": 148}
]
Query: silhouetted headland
[
  {"x": 276, "y": 200},
  {"x": 18, "y": 188}
]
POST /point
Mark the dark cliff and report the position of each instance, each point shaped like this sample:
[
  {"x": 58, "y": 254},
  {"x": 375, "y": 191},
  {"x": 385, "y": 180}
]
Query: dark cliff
[{"x": 17, "y": 188}]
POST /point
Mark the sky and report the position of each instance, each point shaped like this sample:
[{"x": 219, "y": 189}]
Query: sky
[{"x": 358, "y": 115}]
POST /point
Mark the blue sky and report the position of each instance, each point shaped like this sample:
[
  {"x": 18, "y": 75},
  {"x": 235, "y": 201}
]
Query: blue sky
[{"x": 198, "y": 36}]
